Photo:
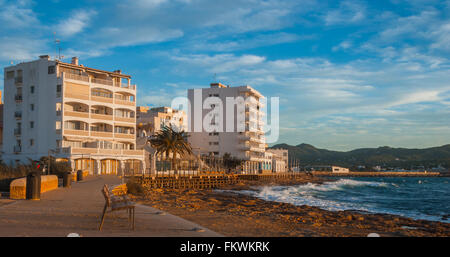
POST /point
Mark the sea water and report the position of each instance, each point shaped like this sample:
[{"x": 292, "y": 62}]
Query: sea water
[{"x": 418, "y": 198}]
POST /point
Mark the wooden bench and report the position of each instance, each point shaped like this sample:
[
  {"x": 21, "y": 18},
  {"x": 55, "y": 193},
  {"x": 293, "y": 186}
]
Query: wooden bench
[{"x": 117, "y": 203}]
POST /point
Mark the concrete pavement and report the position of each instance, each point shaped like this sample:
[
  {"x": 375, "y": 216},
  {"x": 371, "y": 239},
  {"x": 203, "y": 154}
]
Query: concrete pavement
[{"x": 78, "y": 210}]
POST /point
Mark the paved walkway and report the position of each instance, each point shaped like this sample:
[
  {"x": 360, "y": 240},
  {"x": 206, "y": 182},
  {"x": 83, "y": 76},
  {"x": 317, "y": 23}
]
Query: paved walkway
[{"x": 78, "y": 209}]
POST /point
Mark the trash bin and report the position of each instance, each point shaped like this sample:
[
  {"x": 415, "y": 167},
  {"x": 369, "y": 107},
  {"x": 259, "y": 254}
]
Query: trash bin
[
  {"x": 67, "y": 179},
  {"x": 33, "y": 187},
  {"x": 79, "y": 175}
]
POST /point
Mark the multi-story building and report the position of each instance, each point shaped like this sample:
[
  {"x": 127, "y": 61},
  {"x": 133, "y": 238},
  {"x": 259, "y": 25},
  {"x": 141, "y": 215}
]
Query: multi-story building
[
  {"x": 246, "y": 139},
  {"x": 78, "y": 114},
  {"x": 151, "y": 120},
  {"x": 280, "y": 159},
  {"x": 1, "y": 124}
]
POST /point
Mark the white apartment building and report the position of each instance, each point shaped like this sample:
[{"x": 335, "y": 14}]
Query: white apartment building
[
  {"x": 151, "y": 120},
  {"x": 280, "y": 159},
  {"x": 248, "y": 144},
  {"x": 78, "y": 114}
]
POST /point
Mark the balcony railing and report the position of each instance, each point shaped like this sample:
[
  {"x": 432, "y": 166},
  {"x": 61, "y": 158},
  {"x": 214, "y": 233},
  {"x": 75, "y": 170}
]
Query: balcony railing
[
  {"x": 18, "y": 80},
  {"x": 18, "y": 115},
  {"x": 118, "y": 152},
  {"x": 18, "y": 98},
  {"x": 76, "y": 132},
  {"x": 102, "y": 99},
  {"x": 102, "y": 81},
  {"x": 98, "y": 81},
  {"x": 124, "y": 119},
  {"x": 124, "y": 102},
  {"x": 76, "y": 77},
  {"x": 124, "y": 135},
  {"x": 101, "y": 116},
  {"x": 17, "y": 148},
  {"x": 101, "y": 134},
  {"x": 76, "y": 96},
  {"x": 76, "y": 114}
]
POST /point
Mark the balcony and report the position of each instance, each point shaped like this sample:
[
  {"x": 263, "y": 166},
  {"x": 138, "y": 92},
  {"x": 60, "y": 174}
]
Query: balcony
[
  {"x": 76, "y": 77},
  {"x": 18, "y": 81},
  {"x": 101, "y": 116},
  {"x": 124, "y": 102},
  {"x": 76, "y": 96},
  {"x": 76, "y": 132},
  {"x": 101, "y": 134},
  {"x": 102, "y": 81},
  {"x": 102, "y": 99},
  {"x": 17, "y": 148},
  {"x": 93, "y": 151},
  {"x": 18, "y": 115},
  {"x": 18, "y": 98},
  {"x": 123, "y": 135},
  {"x": 124, "y": 119},
  {"x": 125, "y": 85},
  {"x": 17, "y": 131},
  {"x": 76, "y": 114}
]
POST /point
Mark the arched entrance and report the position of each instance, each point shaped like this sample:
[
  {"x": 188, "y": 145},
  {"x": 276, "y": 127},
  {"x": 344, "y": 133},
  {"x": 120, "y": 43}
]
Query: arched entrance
[
  {"x": 85, "y": 164},
  {"x": 109, "y": 166}
]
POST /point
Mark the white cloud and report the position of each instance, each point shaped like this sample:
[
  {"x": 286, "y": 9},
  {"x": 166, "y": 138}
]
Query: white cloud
[
  {"x": 348, "y": 12},
  {"x": 17, "y": 15},
  {"x": 75, "y": 24}
]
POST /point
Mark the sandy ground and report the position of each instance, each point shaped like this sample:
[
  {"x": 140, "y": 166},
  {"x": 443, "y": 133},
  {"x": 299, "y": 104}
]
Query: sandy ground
[{"x": 234, "y": 214}]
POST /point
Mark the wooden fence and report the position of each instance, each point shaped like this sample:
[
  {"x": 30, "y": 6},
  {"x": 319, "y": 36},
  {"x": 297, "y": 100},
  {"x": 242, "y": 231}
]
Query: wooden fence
[{"x": 183, "y": 182}]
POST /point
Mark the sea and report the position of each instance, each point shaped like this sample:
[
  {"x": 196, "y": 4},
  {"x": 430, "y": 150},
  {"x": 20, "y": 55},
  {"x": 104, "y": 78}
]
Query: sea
[{"x": 425, "y": 198}]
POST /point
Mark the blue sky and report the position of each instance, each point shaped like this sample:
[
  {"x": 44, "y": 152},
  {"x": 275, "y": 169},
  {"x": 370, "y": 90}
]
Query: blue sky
[{"x": 349, "y": 74}]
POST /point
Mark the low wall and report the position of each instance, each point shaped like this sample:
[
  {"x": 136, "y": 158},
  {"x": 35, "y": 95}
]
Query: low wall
[{"x": 18, "y": 187}]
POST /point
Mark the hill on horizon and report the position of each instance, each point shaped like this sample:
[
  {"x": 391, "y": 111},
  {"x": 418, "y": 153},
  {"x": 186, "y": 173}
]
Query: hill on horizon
[{"x": 382, "y": 156}]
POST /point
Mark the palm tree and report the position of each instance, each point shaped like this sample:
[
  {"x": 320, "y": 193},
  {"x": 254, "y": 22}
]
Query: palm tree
[{"x": 170, "y": 141}]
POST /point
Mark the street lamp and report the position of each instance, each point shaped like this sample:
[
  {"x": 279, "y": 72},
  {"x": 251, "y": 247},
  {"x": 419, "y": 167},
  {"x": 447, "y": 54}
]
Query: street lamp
[{"x": 49, "y": 162}]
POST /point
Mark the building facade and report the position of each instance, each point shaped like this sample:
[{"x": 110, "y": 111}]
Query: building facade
[
  {"x": 280, "y": 159},
  {"x": 152, "y": 120},
  {"x": 240, "y": 134},
  {"x": 75, "y": 113}
]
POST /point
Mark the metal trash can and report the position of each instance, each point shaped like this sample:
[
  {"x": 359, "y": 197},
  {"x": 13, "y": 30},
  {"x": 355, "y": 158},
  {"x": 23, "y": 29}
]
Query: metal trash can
[
  {"x": 79, "y": 175},
  {"x": 33, "y": 187},
  {"x": 67, "y": 179}
]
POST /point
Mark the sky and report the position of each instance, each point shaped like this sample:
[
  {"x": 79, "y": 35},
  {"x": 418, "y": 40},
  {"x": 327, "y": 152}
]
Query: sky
[{"x": 349, "y": 74}]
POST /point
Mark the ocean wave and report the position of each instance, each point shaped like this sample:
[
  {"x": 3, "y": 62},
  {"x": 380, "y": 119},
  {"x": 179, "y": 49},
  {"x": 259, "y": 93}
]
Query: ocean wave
[
  {"x": 340, "y": 184},
  {"x": 346, "y": 194}
]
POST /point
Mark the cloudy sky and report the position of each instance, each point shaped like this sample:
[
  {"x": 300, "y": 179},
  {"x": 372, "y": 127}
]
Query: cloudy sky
[{"x": 349, "y": 74}]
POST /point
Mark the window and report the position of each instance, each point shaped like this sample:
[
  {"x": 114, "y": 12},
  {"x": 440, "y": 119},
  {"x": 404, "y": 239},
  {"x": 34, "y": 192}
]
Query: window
[
  {"x": 31, "y": 142},
  {"x": 31, "y": 124},
  {"x": 32, "y": 89},
  {"x": 51, "y": 69},
  {"x": 9, "y": 74},
  {"x": 58, "y": 143},
  {"x": 58, "y": 88},
  {"x": 32, "y": 107}
]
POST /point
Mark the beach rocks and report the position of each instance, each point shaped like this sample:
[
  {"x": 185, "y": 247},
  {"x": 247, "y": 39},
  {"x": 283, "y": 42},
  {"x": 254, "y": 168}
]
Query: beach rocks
[{"x": 241, "y": 215}]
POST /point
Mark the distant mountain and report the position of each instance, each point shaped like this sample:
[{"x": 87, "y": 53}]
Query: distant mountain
[{"x": 383, "y": 156}]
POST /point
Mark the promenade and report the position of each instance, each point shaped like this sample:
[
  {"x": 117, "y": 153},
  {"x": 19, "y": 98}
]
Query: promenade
[{"x": 78, "y": 209}]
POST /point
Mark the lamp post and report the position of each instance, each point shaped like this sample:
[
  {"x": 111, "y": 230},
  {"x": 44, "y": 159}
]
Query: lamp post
[{"x": 49, "y": 162}]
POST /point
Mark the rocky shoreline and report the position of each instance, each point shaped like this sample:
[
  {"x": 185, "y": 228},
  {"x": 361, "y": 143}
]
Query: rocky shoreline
[{"x": 233, "y": 214}]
